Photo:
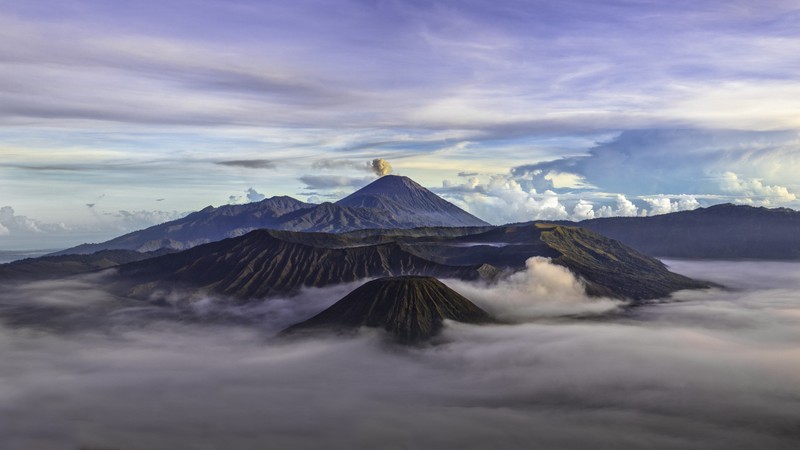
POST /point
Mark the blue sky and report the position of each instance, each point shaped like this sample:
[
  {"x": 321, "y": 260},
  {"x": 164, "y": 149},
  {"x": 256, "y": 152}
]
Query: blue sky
[{"x": 117, "y": 115}]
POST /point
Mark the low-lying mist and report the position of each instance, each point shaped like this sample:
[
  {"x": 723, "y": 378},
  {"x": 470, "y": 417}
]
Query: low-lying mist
[
  {"x": 543, "y": 289},
  {"x": 704, "y": 369}
]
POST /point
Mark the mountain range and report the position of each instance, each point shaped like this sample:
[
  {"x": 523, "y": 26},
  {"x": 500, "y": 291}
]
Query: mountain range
[
  {"x": 377, "y": 237},
  {"x": 723, "y": 231},
  {"x": 390, "y": 202},
  {"x": 267, "y": 263},
  {"x": 396, "y": 204}
]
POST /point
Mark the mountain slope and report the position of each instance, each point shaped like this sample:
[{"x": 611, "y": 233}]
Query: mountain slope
[
  {"x": 410, "y": 204},
  {"x": 611, "y": 268},
  {"x": 717, "y": 232},
  {"x": 268, "y": 262},
  {"x": 208, "y": 225},
  {"x": 60, "y": 266},
  {"x": 264, "y": 263},
  {"x": 410, "y": 308}
]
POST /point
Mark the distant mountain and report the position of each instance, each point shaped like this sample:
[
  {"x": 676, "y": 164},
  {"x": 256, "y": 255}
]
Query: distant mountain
[
  {"x": 718, "y": 232},
  {"x": 410, "y": 204},
  {"x": 207, "y": 225},
  {"x": 266, "y": 263},
  {"x": 411, "y": 309},
  {"x": 391, "y": 202},
  {"x": 64, "y": 265}
]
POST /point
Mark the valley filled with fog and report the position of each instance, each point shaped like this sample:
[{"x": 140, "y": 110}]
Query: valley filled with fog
[{"x": 718, "y": 368}]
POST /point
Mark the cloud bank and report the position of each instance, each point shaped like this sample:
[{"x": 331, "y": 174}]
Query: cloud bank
[
  {"x": 542, "y": 290},
  {"x": 707, "y": 370}
]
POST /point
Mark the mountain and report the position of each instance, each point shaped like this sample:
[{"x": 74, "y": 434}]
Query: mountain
[
  {"x": 391, "y": 202},
  {"x": 718, "y": 232},
  {"x": 411, "y": 309},
  {"x": 268, "y": 263},
  {"x": 606, "y": 266},
  {"x": 410, "y": 204},
  {"x": 64, "y": 265},
  {"x": 611, "y": 269},
  {"x": 207, "y": 225}
]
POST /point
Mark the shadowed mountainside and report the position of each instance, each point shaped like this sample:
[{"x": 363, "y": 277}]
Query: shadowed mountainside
[
  {"x": 264, "y": 263},
  {"x": 611, "y": 268},
  {"x": 57, "y": 266},
  {"x": 718, "y": 232},
  {"x": 410, "y": 308}
]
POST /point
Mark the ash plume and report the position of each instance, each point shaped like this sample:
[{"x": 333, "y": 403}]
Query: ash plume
[{"x": 381, "y": 167}]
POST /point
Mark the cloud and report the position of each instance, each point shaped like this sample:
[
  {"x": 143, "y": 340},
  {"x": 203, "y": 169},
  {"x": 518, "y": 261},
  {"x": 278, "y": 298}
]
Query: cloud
[
  {"x": 136, "y": 220},
  {"x": 14, "y": 224},
  {"x": 624, "y": 208},
  {"x": 249, "y": 163},
  {"x": 333, "y": 181},
  {"x": 378, "y": 166},
  {"x": 665, "y": 205},
  {"x": 543, "y": 289},
  {"x": 467, "y": 174},
  {"x": 254, "y": 196},
  {"x": 502, "y": 200},
  {"x": 337, "y": 164},
  {"x": 753, "y": 191},
  {"x": 583, "y": 210},
  {"x": 688, "y": 161},
  {"x": 709, "y": 369},
  {"x": 381, "y": 167}
]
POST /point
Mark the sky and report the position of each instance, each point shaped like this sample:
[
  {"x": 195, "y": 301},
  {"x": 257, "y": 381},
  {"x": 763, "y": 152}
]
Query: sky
[{"x": 118, "y": 115}]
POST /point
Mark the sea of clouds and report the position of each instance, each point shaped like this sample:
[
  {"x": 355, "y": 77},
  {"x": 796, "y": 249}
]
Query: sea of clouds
[{"x": 82, "y": 369}]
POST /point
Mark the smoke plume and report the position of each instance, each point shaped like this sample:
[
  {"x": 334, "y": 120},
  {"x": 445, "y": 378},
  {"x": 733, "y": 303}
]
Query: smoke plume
[{"x": 381, "y": 167}]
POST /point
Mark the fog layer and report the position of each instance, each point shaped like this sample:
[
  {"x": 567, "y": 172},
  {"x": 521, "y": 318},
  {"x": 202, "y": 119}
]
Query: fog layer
[{"x": 712, "y": 369}]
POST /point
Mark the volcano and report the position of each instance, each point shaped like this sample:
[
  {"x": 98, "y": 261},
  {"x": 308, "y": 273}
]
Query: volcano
[
  {"x": 410, "y": 204},
  {"x": 410, "y": 308}
]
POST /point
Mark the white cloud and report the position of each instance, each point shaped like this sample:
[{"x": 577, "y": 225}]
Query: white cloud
[
  {"x": 754, "y": 191},
  {"x": 14, "y": 224},
  {"x": 666, "y": 204},
  {"x": 502, "y": 200},
  {"x": 543, "y": 289},
  {"x": 583, "y": 210},
  {"x": 624, "y": 208}
]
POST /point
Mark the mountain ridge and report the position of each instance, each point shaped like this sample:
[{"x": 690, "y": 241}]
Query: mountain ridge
[{"x": 724, "y": 231}]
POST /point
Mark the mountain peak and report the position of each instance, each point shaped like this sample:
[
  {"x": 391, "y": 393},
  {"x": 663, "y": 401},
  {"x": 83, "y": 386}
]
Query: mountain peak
[
  {"x": 410, "y": 203},
  {"x": 411, "y": 308},
  {"x": 391, "y": 184}
]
